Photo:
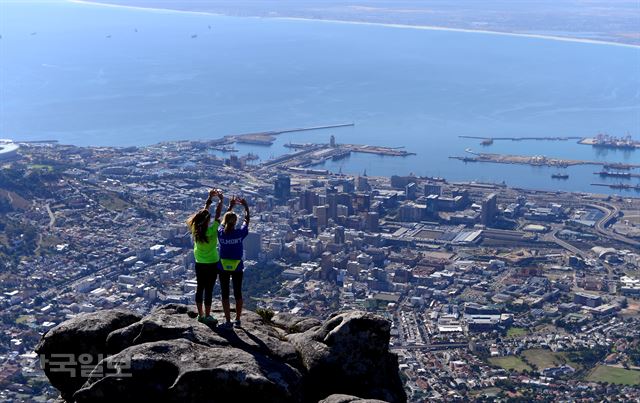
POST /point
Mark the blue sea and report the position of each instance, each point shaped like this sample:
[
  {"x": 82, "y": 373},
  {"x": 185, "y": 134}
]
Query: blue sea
[{"x": 95, "y": 75}]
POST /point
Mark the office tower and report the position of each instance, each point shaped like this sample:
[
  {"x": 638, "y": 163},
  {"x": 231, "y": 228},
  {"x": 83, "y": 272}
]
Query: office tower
[
  {"x": 282, "y": 187},
  {"x": 489, "y": 209}
]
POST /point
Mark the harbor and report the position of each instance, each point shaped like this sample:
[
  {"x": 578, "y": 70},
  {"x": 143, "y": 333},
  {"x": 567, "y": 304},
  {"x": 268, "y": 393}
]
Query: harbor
[
  {"x": 487, "y": 141},
  {"x": 308, "y": 156},
  {"x": 606, "y": 141},
  {"x": 536, "y": 160},
  {"x": 267, "y": 138},
  {"x": 620, "y": 186}
]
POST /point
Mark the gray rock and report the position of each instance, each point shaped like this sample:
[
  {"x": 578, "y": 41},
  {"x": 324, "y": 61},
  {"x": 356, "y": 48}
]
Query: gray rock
[
  {"x": 348, "y": 399},
  {"x": 176, "y": 321},
  {"x": 294, "y": 324},
  {"x": 350, "y": 354},
  {"x": 172, "y": 357},
  {"x": 163, "y": 325},
  {"x": 81, "y": 340},
  {"x": 180, "y": 370}
]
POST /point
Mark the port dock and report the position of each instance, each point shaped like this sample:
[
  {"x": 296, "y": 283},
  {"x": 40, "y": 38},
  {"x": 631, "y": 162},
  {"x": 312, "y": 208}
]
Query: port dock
[
  {"x": 303, "y": 159},
  {"x": 548, "y": 138},
  {"x": 267, "y": 138},
  {"x": 621, "y": 186},
  {"x": 607, "y": 141},
  {"x": 537, "y": 160}
]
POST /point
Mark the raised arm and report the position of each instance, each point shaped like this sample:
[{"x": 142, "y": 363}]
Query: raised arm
[
  {"x": 219, "y": 206},
  {"x": 212, "y": 194},
  {"x": 246, "y": 210},
  {"x": 232, "y": 203}
]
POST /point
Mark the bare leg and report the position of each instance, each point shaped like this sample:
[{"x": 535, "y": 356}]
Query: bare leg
[
  {"x": 226, "y": 309},
  {"x": 199, "y": 306},
  {"x": 207, "y": 310}
]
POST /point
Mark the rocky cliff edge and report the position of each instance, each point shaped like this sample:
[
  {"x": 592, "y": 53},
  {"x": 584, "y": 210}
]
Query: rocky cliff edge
[{"x": 168, "y": 355}]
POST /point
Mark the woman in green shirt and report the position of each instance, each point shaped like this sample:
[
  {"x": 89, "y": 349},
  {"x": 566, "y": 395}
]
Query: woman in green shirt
[{"x": 205, "y": 250}]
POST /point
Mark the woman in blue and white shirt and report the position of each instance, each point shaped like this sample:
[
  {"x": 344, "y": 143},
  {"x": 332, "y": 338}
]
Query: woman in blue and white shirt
[{"x": 231, "y": 252}]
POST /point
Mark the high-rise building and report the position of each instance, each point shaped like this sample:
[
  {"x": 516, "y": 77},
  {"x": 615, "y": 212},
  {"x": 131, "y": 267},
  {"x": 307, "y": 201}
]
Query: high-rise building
[
  {"x": 339, "y": 235},
  {"x": 308, "y": 200},
  {"x": 322, "y": 215},
  {"x": 362, "y": 184},
  {"x": 363, "y": 202},
  {"x": 332, "y": 203},
  {"x": 372, "y": 223},
  {"x": 432, "y": 189},
  {"x": 489, "y": 209},
  {"x": 348, "y": 186},
  {"x": 282, "y": 187},
  {"x": 252, "y": 245},
  {"x": 411, "y": 191}
]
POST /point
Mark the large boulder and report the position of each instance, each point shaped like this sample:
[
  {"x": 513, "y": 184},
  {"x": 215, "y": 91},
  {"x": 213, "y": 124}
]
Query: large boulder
[
  {"x": 182, "y": 371},
  {"x": 69, "y": 350},
  {"x": 349, "y": 354},
  {"x": 169, "y": 356}
]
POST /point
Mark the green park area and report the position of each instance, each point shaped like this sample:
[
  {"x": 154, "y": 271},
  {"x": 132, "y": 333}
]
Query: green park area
[
  {"x": 605, "y": 373},
  {"x": 542, "y": 358},
  {"x": 510, "y": 362},
  {"x": 517, "y": 332}
]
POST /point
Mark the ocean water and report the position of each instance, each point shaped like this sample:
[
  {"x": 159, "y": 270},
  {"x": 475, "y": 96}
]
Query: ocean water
[{"x": 95, "y": 75}]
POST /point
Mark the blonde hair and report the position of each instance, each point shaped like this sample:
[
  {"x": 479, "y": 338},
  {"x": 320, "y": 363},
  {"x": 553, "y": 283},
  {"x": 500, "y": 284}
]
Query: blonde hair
[
  {"x": 198, "y": 224},
  {"x": 229, "y": 221}
]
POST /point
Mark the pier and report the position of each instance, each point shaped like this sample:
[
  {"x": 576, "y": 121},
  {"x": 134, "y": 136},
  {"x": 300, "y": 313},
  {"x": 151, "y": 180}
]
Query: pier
[
  {"x": 548, "y": 138},
  {"x": 317, "y": 154},
  {"x": 388, "y": 151},
  {"x": 538, "y": 160},
  {"x": 268, "y": 137},
  {"x": 621, "y": 186}
]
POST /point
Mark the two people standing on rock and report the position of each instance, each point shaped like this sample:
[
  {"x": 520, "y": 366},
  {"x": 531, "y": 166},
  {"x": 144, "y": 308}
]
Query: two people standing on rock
[{"x": 218, "y": 251}]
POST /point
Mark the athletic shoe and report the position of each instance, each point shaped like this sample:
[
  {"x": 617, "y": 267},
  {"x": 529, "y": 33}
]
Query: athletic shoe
[
  {"x": 210, "y": 320},
  {"x": 201, "y": 318},
  {"x": 226, "y": 325},
  {"x": 237, "y": 323}
]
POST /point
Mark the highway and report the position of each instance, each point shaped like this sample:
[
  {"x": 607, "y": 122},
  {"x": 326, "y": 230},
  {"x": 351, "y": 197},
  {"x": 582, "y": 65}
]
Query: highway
[
  {"x": 611, "y": 214},
  {"x": 430, "y": 347},
  {"x": 553, "y": 237}
]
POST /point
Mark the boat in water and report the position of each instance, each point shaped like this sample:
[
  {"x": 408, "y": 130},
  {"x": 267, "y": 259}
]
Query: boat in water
[
  {"x": 560, "y": 176},
  {"x": 614, "y": 174}
]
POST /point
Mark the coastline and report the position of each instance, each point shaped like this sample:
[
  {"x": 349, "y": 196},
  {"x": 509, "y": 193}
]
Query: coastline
[{"x": 380, "y": 24}]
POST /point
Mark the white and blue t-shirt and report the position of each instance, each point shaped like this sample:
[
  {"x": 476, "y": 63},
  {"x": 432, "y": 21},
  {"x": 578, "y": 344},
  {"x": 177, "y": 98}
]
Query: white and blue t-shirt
[{"x": 231, "y": 243}]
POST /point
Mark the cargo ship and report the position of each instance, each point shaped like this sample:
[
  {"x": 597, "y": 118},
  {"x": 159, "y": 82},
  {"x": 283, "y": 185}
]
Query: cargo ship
[
  {"x": 606, "y": 141},
  {"x": 613, "y": 174}
]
